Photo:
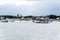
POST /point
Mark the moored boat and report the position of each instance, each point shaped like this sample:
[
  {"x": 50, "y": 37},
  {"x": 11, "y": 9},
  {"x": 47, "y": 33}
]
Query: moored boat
[{"x": 42, "y": 20}]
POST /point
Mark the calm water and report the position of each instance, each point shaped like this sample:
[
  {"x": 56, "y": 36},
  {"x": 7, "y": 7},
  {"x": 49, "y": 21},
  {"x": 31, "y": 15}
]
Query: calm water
[{"x": 29, "y": 31}]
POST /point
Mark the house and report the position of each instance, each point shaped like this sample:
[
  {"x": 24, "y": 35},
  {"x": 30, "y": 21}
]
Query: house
[
  {"x": 1, "y": 18},
  {"x": 58, "y": 18}
]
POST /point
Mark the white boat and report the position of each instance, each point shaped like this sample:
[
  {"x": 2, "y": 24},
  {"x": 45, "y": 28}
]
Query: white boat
[
  {"x": 41, "y": 21},
  {"x": 4, "y": 20}
]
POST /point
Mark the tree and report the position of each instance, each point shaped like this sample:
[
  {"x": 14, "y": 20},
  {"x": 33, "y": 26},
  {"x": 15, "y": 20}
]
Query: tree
[
  {"x": 18, "y": 15},
  {"x": 52, "y": 16}
]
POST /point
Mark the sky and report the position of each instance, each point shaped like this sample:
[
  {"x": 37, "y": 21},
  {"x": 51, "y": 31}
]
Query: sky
[{"x": 29, "y": 7}]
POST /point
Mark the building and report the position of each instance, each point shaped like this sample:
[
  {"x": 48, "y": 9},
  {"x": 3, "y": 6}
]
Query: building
[{"x": 1, "y": 18}]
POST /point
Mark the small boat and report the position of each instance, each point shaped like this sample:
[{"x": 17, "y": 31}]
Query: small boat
[
  {"x": 41, "y": 20},
  {"x": 4, "y": 20}
]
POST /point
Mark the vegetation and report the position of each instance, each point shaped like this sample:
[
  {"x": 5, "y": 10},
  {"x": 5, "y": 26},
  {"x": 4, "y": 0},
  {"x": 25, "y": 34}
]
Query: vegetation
[
  {"x": 33, "y": 17},
  {"x": 52, "y": 16}
]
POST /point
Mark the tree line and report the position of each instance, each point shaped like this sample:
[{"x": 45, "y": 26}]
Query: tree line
[{"x": 33, "y": 17}]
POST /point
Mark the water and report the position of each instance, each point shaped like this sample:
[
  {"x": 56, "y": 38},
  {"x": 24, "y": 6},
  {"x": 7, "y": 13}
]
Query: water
[{"x": 29, "y": 31}]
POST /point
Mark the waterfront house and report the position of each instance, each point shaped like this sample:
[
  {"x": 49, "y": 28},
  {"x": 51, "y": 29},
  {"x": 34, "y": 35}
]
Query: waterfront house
[{"x": 1, "y": 18}]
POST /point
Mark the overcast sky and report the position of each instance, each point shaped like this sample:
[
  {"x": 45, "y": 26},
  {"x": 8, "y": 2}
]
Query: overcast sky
[{"x": 29, "y": 7}]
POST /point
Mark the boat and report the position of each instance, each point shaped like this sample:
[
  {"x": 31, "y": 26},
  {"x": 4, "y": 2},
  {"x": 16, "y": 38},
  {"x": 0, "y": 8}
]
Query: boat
[
  {"x": 42, "y": 20},
  {"x": 4, "y": 20}
]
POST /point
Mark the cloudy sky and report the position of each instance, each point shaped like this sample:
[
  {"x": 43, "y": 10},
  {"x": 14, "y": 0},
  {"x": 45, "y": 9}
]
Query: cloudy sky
[{"x": 29, "y": 7}]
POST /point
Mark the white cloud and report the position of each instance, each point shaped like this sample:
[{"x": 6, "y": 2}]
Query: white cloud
[
  {"x": 38, "y": 7},
  {"x": 19, "y": 2}
]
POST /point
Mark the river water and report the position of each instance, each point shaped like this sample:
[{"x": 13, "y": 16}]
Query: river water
[{"x": 29, "y": 31}]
